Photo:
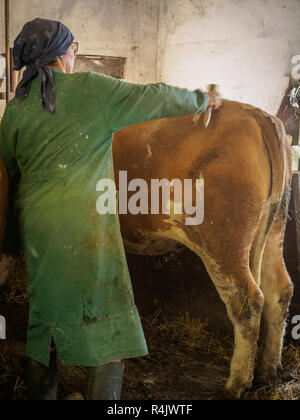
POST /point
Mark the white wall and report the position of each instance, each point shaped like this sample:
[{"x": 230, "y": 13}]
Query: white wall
[
  {"x": 125, "y": 28},
  {"x": 245, "y": 46}
]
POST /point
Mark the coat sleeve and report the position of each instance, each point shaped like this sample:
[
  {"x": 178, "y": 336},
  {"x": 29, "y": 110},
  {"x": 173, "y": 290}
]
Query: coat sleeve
[
  {"x": 11, "y": 237},
  {"x": 125, "y": 103}
]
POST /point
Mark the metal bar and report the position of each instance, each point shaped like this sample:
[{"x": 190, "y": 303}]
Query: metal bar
[{"x": 7, "y": 50}]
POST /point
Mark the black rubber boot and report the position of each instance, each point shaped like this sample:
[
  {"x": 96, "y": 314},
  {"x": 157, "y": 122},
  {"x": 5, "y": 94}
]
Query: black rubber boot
[
  {"x": 105, "y": 382},
  {"x": 42, "y": 380}
]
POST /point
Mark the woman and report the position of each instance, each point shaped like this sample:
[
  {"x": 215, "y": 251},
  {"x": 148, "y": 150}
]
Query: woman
[{"x": 56, "y": 142}]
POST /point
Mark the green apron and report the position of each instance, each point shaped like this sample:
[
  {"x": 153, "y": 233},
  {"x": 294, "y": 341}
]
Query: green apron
[{"x": 79, "y": 289}]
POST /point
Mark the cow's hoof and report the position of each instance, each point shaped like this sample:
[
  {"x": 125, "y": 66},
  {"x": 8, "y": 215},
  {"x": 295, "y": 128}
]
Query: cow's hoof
[
  {"x": 265, "y": 374},
  {"x": 235, "y": 388},
  {"x": 233, "y": 392},
  {"x": 76, "y": 396}
]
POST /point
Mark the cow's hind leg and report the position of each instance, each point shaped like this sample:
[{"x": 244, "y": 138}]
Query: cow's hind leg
[
  {"x": 278, "y": 290},
  {"x": 244, "y": 303}
]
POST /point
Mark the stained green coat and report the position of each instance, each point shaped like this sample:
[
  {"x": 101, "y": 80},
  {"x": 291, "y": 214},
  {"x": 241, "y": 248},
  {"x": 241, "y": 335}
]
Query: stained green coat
[{"x": 79, "y": 285}]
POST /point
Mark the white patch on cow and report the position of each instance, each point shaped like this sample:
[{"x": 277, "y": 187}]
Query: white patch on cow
[
  {"x": 196, "y": 119},
  {"x": 149, "y": 151},
  {"x": 7, "y": 264},
  {"x": 178, "y": 234}
]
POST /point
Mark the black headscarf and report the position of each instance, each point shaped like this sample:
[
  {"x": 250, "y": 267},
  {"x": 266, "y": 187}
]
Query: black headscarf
[{"x": 40, "y": 42}]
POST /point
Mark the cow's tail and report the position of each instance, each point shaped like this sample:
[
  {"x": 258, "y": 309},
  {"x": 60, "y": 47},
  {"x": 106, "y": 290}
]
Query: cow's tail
[{"x": 274, "y": 137}]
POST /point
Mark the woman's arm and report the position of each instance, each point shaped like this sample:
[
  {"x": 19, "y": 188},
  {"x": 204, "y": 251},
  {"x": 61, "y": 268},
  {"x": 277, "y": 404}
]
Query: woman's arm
[{"x": 125, "y": 103}]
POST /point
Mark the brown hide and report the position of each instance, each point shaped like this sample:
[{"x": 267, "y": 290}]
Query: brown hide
[{"x": 230, "y": 155}]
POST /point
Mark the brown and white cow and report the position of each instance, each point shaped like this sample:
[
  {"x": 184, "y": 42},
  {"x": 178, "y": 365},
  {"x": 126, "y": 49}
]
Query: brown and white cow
[{"x": 245, "y": 161}]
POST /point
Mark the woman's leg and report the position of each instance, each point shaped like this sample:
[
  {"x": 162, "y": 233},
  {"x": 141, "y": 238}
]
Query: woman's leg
[
  {"x": 105, "y": 382},
  {"x": 42, "y": 380}
]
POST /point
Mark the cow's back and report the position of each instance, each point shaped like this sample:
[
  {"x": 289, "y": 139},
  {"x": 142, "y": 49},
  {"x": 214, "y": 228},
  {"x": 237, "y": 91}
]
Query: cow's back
[{"x": 239, "y": 156}]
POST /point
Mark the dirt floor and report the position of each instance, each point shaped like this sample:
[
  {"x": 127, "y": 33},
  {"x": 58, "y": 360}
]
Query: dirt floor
[{"x": 190, "y": 346}]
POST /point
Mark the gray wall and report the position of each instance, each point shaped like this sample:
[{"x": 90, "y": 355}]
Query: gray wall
[{"x": 243, "y": 45}]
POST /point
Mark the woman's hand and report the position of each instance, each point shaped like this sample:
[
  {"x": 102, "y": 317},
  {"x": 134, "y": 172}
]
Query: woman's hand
[{"x": 214, "y": 100}]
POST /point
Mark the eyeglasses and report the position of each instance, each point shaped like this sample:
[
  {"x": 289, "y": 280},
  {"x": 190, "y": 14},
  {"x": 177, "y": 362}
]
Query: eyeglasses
[{"x": 75, "y": 47}]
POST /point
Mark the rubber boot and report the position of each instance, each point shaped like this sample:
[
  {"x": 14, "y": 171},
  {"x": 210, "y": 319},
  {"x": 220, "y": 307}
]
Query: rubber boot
[
  {"x": 105, "y": 382},
  {"x": 42, "y": 380}
]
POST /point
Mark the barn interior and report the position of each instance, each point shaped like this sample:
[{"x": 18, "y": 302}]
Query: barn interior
[{"x": 251, "y": 50}]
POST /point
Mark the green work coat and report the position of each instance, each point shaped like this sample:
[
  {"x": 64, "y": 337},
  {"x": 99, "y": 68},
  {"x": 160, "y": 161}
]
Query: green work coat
[{"x": 79, "y": 288}]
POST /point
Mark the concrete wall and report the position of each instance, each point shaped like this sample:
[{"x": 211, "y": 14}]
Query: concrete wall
[{"x": 243, "y": 45}]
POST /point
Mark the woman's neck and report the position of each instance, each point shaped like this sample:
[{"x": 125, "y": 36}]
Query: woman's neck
[{"x": 58, "y": 67}]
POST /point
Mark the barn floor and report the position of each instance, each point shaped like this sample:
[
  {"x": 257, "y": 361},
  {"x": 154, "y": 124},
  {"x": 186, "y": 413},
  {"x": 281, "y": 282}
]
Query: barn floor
[{"x": 188, "y": 359}]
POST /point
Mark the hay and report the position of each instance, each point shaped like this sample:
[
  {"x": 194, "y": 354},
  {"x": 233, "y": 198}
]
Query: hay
[
  {"x": 14, "y": 290},
  {"x": 12, "y": 373},
  {"x": 187, "y": 333},
  {"x": 178, "y": 347},
  {"x": 187, "y": 361}
]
